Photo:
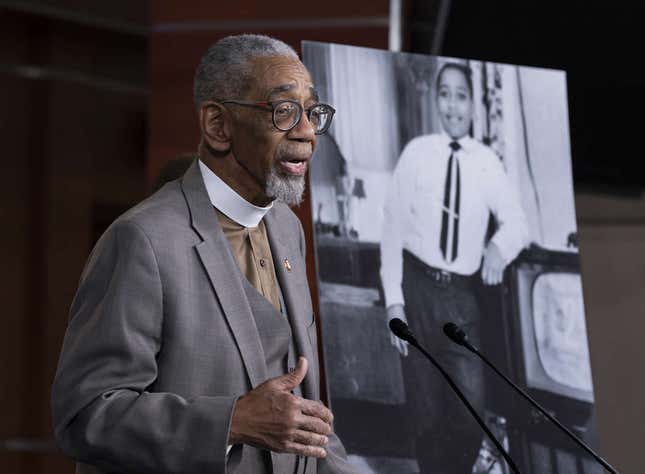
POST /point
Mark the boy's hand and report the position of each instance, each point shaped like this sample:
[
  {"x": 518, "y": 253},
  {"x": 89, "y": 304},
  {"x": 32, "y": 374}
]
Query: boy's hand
[
  {"x": 397, "y": 311},
  {"x": 493, "y": 266}
]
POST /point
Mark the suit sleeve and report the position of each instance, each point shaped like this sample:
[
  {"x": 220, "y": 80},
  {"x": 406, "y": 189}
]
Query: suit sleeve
[{"x": 102, "y": 410}]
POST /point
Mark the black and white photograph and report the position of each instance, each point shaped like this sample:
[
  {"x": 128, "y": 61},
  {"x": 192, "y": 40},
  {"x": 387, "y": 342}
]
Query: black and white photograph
[{"x": 443, "y": 193}]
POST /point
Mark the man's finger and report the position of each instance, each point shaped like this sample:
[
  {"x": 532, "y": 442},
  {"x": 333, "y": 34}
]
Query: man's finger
[
  {"x": 304, "y": 450},
  {"x": 317, "y": 409},
  {"x": 314, "y": 425},
  {"x": 310, "y": 439},
  {"x": 291, "y": 380}
]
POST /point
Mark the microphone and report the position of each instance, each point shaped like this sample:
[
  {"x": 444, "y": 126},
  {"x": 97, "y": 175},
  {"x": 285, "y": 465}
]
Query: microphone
[
  {"x": 402, "y": 331},
  {"x": 455, "y": 333},
  {"x": 459, "y": 336}
]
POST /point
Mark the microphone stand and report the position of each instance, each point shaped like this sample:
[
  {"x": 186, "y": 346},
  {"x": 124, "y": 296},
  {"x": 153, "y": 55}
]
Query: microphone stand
[
  {"x": 406, "y": 335},
  {"x": 458, "y": 336}
]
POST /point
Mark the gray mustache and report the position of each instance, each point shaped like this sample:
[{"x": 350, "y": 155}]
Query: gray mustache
[{"x": 292, "y": 150}]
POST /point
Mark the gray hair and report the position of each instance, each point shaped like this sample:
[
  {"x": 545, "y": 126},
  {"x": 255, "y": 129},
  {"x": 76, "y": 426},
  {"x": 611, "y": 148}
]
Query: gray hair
[{"x": 224, "y": 72}]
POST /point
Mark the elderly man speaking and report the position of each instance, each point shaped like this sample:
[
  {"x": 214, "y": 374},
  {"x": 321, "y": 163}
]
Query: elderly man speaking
[{"x": 191, "y": 345}]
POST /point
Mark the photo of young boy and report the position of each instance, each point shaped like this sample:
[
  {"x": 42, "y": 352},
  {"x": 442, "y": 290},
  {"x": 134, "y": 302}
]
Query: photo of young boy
[{"x": 443, "y": 188}]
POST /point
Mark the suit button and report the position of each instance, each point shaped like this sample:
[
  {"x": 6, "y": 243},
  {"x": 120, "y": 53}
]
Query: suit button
[{"x": 262, "y": 263}]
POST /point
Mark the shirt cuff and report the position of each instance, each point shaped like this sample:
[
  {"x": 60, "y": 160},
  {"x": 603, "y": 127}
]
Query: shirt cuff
[
  {"x": 230, "y": 421},
  {"x": 396, "y": 312},
  {"x": 393, "y": 295}
]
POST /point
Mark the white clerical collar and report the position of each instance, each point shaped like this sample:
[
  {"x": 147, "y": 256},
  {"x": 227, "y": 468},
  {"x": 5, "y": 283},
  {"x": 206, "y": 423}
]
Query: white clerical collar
[{"x": 229, "y": 202}]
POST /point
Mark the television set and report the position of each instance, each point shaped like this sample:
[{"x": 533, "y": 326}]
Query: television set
[
  {"x": 553, "y": 331},
  {"x": 548, "y": 354}
]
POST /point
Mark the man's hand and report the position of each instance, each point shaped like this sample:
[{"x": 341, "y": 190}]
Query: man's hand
[
  {"x": 397, "y": 311},
  {"x": 271, "y": 417},
  {"x": 493, "y": 266}
]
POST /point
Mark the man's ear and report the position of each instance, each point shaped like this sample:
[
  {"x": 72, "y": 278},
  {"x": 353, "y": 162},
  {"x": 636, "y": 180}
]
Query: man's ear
[{"x": 215, "y": 123}]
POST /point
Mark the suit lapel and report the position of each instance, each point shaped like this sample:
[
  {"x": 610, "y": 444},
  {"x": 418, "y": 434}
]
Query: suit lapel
[
  {"x": 224, "y": 275},
  {"x": 295, "y": 291}
]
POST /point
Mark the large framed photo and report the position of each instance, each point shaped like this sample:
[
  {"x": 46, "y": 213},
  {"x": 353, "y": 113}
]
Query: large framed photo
[{"x": 443, "y": 194}]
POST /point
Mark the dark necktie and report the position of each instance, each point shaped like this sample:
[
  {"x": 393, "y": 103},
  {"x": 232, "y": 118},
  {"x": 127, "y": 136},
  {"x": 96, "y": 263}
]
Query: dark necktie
[{"x": 450, "y": 211}]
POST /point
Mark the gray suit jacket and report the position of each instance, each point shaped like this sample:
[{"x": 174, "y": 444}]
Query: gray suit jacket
[{"x": 161, "y": 339}]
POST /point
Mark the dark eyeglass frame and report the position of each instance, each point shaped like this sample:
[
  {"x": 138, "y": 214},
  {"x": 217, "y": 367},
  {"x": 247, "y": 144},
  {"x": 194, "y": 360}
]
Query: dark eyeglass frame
[{"x": 272, "y": 105}]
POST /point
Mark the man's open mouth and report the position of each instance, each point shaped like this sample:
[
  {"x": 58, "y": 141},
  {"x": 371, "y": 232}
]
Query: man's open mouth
[{"x": 294, "y": 166}]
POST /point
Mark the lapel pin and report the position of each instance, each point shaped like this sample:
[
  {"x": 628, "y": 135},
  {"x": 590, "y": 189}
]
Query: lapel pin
[{"x": 287, "y": 265}]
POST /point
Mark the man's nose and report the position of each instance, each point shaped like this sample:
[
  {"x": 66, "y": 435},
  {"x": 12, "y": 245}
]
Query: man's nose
[{"x": 304, "y": 130}]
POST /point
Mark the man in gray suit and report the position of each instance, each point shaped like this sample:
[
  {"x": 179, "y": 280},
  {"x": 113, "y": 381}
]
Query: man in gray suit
[{"x": 191, "y": 345}]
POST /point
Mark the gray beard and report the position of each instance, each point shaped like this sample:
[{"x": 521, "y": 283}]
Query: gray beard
[{"x": 287, "y": 189}]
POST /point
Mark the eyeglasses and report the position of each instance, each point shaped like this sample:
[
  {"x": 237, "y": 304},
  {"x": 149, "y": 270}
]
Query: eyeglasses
[{"x": 287, "y": 113}]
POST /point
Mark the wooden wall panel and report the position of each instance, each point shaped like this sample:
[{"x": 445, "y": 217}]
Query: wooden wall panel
[
  {"x": 612, "y": 254},
  {"x": 73, "y": 132},
  {"x": 116, "y": 14},
  {"x": 14, "y": 242},
  {"x": 169, "y": 11}
]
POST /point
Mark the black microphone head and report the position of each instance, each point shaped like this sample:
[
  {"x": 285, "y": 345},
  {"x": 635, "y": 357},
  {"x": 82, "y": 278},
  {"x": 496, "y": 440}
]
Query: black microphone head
[
  {"x": 401, "y": 329},
  {"x": 455, "y": 333}
]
